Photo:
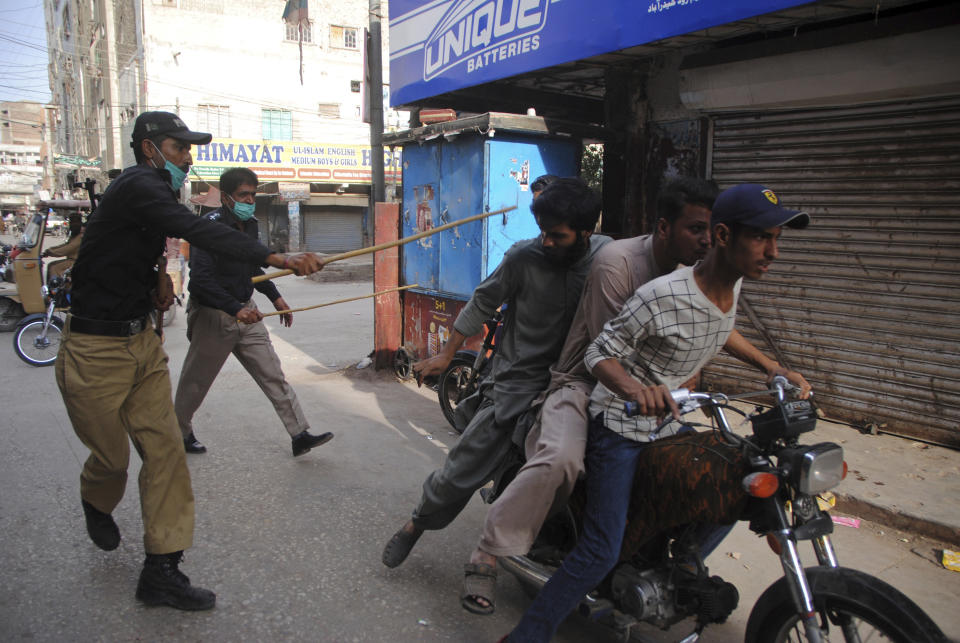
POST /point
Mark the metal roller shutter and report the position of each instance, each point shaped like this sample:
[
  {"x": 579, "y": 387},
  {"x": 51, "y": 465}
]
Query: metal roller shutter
[
  {"x": 866, "y": 301},
  {"x": 332, "y": 229}
]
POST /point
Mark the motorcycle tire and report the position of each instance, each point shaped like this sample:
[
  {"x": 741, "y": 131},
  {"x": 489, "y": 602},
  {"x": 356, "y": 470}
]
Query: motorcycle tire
[
  {"x": 875, "y": 609},
  {"x": 28, "y": 347},
  {"x": 457, "y": 383}
]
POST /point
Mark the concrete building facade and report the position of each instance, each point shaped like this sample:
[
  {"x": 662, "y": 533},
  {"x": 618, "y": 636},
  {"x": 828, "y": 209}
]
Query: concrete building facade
[
  {"x": 233, "y": 69},
  {"x": 23, "y": 154}
]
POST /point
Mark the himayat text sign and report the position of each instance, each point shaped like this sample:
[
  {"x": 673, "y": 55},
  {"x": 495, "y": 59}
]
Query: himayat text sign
[
  {"x": 291, "y": 161},
  {"x": 438, "y": 46}
]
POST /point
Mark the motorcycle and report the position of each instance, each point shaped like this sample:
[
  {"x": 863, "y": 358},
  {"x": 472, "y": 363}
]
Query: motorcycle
[
  {"x": 718, "y": 477},
  {"x": 37, "y": 338},
  {"x": 461, "y": 379}
]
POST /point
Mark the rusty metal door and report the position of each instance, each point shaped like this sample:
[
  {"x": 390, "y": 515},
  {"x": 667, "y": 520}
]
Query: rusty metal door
[{"x": 866, "y": 301}]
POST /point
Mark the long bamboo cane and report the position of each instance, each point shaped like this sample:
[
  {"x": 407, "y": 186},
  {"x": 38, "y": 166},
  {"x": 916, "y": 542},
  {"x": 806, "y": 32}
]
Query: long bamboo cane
[
  {"x": 388, "y": 244},
  {"x": 340, "y": 301}
]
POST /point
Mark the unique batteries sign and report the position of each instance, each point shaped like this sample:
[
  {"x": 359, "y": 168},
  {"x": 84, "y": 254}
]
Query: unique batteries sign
[
  {"x": 292, "y": 161},
  {"x": 437, "y": 46}
]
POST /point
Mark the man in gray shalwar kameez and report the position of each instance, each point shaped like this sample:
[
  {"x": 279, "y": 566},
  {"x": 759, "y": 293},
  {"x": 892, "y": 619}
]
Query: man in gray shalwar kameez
[{"x": 540, "y": 281}]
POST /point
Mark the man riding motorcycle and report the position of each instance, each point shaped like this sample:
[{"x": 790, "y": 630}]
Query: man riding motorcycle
[{"x": 663, "y": 336}]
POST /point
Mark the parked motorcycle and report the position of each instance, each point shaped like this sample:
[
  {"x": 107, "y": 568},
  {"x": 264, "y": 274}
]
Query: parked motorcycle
[
  {"x": 37, "y": 338},
  {"x": 461, "y": 379},
  {"x": 717, "y": 477}
]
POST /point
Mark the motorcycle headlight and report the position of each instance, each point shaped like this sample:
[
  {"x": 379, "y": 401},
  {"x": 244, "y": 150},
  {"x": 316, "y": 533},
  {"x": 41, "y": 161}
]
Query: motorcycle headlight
[
  {"x": 816, "y": 468},
  {"x": 44, "y": 290}
]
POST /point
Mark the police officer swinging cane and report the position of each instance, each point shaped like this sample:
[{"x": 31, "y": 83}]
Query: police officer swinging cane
[{"x": 112, "y": 370}]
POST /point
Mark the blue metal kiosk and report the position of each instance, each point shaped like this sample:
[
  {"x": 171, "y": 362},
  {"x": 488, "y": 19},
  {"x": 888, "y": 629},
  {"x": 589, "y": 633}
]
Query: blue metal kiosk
[{"x": 456, "y": 169}]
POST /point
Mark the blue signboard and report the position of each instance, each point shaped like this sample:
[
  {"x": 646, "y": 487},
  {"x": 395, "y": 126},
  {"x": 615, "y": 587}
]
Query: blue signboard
[{"x": 437, "y": 46}]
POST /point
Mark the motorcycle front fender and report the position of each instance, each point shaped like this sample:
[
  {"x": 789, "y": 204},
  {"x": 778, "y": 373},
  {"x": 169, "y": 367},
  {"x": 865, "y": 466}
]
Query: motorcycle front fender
[{"x": 56, "y": 321}]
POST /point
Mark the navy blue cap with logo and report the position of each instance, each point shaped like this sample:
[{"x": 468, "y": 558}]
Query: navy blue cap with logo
[
  {"x": 153, "y": 124},
  {"x": 756, "y": 206}
]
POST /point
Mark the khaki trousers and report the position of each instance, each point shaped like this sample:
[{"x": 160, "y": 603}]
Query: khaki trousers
[
  {"x": 117, "y": 388},
  {"x": 554, "y": 448},
  {"x": 213, "y": 336}
]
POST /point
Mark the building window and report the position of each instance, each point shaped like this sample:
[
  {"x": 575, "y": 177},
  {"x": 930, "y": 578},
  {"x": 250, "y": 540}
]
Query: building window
[
  {"x": 329, "y": 110},
  {"x": 214, "y": 119},
  {"x": 355, "y": 86},
  {"x": 291, "y": 32},
  {"x": 343, "y": 37},
  {"x": 277, "y": 125}
]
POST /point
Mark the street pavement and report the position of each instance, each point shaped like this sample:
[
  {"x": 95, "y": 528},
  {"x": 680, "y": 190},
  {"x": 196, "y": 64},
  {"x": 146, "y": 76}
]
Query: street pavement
[{"x": 292, "y": 546}]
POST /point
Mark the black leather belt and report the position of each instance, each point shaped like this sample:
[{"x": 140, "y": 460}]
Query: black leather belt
[{"x": 108, "y": 327}]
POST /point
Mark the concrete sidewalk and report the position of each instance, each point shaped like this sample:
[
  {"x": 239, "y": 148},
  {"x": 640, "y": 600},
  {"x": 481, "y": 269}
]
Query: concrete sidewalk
[{"x": 898, "y": 482}]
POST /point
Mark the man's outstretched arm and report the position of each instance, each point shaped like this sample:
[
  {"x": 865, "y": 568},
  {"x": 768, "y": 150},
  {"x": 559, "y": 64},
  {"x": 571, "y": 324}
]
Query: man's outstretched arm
[{"x": 741, "y": 348}]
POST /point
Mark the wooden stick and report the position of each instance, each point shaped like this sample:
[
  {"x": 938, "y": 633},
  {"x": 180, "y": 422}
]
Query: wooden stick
[
  {"x": 389, "y": 244},
  {"x": 339, "y": 301}
]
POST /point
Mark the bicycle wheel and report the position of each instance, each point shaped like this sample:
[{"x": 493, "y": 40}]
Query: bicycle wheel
[
  {"x": 34, "y": 349},
  {"x": 456, "y": 384},
  {"x": 851, "y": 606}
]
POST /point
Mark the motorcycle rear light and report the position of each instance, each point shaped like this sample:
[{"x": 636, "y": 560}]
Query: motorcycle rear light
[
  {"x": 761, "y": 484},
  {"x": 819, "y": 468}
]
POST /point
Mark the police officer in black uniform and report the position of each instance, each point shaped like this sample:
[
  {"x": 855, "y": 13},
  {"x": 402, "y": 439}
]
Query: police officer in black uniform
[{"x": 112, "y": 370}]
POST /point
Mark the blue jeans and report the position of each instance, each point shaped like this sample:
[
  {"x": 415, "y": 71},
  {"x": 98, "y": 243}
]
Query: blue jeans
[{"x": 611, "y": 462}]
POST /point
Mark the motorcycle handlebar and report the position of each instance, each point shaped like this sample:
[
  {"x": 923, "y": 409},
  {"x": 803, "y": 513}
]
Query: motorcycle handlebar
[{"x": 689, "y": 400}]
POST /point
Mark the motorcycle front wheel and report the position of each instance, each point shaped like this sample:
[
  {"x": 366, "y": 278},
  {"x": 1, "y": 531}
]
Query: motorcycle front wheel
[
  {"x": 851, "y": 606},
  {"x": 34, "y": 349},
  {"x": 457, "y": 383}
]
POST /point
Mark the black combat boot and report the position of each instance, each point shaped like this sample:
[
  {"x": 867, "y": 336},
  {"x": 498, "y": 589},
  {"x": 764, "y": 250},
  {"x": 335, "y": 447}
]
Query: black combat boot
[
  {"x": 102, "y": 529},
  {"x": 162, "y": 583}
]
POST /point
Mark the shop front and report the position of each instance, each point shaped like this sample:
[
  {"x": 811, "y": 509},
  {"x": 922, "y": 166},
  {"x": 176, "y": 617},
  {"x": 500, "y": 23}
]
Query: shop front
[{"x": 847, "y": 111}]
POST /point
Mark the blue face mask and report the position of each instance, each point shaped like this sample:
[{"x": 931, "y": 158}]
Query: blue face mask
[
  {"x": 243, "y": 211},
  {"x": 177, "y": 176}
]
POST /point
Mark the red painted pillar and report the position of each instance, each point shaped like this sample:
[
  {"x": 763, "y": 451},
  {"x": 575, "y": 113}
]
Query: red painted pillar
[{"x": 387, "y": 315}]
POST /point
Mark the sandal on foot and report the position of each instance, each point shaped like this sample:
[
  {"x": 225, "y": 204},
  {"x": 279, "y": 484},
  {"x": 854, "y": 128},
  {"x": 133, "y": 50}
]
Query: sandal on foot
[
  {"x": 399, "y": 547},
  {"x": 479, "y": 581}
]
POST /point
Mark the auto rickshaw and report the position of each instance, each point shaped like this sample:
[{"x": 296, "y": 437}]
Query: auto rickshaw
[{"x": 26, "y": 295}]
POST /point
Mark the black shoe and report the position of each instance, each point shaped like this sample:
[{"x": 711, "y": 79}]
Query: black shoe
[
  {"x": 192, "y": 445},
  {"x": 101, "y": 527},
  {"x": 304, "y": 441},
  {"x": 162, "y": 583}
]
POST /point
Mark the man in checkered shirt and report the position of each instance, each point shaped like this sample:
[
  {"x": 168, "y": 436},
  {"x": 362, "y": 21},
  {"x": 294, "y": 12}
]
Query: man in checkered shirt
[{"x": 664, "y": 334}]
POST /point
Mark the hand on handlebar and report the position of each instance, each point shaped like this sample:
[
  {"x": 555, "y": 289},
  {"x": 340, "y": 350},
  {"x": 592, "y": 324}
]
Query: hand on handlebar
[
  {"x": 655, "y": 401},
  {"x": 795, "y": 378},
  {"x": 435, "y": 365}
]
